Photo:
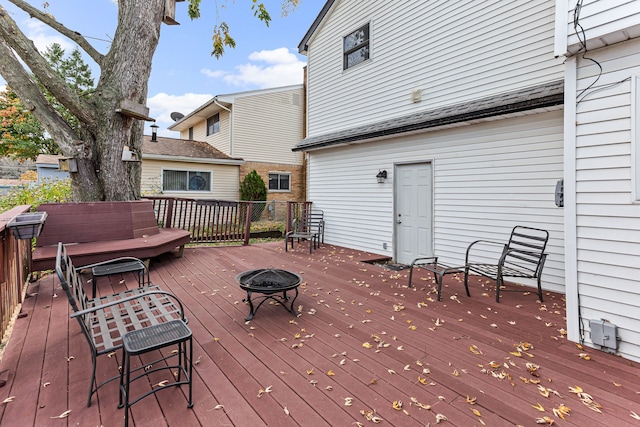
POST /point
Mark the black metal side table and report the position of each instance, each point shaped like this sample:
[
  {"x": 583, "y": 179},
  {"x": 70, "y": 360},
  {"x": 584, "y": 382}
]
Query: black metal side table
[
  {"x": 120, "y": 266},
  {"x": 135, "y": 343}
]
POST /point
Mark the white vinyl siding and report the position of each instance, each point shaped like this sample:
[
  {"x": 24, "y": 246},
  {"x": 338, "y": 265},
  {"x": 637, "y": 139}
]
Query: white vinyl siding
[
  {"x": 267, "y": 126},
  {"x": 608, "y": 220},
  {"x": 452, "y": 51},
  {"x": 604, "y": 22},
  {"x": 224, "y": 179},
  {"x": 488, "y": 178}
]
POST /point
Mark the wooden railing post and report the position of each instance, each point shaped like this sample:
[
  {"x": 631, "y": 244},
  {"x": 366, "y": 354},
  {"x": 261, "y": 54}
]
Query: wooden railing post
[
  {"x": 168, "y": 220},
  {"x": 247, "y": 230}
]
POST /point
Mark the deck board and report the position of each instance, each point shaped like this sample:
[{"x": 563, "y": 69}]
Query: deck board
[{"x": 342, "y": 304}]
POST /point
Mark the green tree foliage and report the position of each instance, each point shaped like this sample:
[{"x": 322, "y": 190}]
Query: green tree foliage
[
  {"x": 75, "y": 72},
  {"x": 48, "y": 191},
  {"x": 253, "y": 187},
  {"x": 21, "y": 135}
]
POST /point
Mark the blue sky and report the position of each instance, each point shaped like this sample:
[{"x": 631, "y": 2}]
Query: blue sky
[{"x": 184, "y": 75}]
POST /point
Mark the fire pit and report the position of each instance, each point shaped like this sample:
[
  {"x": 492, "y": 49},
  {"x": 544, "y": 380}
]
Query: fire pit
[{"x": 270, "y": 283}]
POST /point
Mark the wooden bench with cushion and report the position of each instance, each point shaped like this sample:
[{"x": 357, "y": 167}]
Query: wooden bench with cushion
[{"x": 99, "y": 231}]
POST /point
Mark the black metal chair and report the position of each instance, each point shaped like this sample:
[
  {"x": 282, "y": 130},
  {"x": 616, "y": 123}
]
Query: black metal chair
[
  {"x": 309, "y": 226},
  {"x": 523, "y": 256},
  {"x": 105, "y": 320}
]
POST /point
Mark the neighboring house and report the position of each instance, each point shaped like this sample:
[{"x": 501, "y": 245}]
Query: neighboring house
[
  {"x": 48, "y": 167},
  {"x": 261, "y": 127},
  {"x": 188, "y": 169},
  {"x": 601, "y": 42},
  {"x": 459, "y": 103}
]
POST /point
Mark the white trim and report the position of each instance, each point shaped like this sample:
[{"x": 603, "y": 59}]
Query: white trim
[
  {"x": 230, "y": 162},
  {"x": 209, "y": 191},
  {"x": 635, "y": 138},
  {"x": 561, "y": 28},
  {"x": 278, "y": 190},
  {"x": 570, "y": 208}
]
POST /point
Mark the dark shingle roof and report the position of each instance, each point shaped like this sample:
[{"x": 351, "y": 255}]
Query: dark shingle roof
[
  {"x": 174, "y": 147},
  {"x": 547, "y": 95}
]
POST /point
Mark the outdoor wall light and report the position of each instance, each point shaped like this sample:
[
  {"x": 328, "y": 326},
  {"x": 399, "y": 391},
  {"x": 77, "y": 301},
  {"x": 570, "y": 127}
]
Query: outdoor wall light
[
  {"x": 382, "y": 175},
  {"x": 154, "y": 132}
]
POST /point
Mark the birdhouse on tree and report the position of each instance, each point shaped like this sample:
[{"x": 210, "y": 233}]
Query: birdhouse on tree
[{"x": 169, "y": 14}]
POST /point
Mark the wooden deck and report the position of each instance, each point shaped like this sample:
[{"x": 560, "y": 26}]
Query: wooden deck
[{"x": 463, "y": 358}]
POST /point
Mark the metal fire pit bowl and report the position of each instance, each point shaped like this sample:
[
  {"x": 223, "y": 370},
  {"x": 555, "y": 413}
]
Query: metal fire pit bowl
[{"x": 269, "y": 283}]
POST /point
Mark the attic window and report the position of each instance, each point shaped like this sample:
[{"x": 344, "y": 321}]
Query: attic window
[{"x": 356, "y": 47}]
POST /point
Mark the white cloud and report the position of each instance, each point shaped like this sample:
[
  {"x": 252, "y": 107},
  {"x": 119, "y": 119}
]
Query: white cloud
[
  {"x": 267, "y": 68},
  {"x": 162, "y": 105},
  {"x": 42, "y": 37}
]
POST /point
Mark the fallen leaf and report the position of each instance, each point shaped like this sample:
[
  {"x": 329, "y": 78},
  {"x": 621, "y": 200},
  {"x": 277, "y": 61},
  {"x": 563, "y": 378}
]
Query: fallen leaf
[
  {"x": 65, "y": 414},
  {"x": 538, "y": 407},
  {"x": 440, "y": 418}
]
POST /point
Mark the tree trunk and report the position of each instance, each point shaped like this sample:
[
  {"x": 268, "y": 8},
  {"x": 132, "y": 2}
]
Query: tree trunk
[
  {"x": 102, "y": 174},
  {"x": 98, "y": 144}
]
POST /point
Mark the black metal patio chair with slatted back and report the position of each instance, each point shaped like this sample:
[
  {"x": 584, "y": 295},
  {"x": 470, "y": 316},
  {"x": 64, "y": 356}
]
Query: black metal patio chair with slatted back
[
  {"x": 309, "y": 226},
  {"x": 106, "y": 319},
  {"x": 522, "y": 257}
]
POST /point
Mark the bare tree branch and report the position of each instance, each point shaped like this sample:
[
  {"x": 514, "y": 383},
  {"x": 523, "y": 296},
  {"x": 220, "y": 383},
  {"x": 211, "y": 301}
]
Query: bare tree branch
[
  {"x": 51, "y": 22},
  {"x": 21, "y": 45},
  {"x": 33, "y": 99}
]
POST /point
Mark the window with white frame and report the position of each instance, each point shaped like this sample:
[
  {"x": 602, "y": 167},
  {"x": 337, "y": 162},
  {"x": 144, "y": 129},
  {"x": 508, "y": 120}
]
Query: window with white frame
[
  {"x": 182, "y": 180},
  {"x": 279, "y": 181},
  {"x": 355, "y": 47},
  {"x": 213, "y": 124}
]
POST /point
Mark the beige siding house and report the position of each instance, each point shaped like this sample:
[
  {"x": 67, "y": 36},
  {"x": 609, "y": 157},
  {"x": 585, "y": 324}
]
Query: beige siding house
[
  {"x": 188, "y": 169},
  {"x": 459, "y": 103},
  {"x": 261, "y": 127}
]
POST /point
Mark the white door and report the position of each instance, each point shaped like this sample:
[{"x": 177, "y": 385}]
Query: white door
[{"x": 413, "y": 211}]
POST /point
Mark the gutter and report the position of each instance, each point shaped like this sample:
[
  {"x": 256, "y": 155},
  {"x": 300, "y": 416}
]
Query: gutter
[
  {"x": 215, "y": 101},
  {"x": 231, "y": 162}
]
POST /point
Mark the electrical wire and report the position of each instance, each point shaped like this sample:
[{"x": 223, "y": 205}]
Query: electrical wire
[{"x": 583, "y": 48}]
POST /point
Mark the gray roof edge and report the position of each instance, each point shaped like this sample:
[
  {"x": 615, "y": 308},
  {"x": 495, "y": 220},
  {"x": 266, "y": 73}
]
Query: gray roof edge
[
  {"x": 302, "y": 46},
  {"x": 546, "y": 95}
]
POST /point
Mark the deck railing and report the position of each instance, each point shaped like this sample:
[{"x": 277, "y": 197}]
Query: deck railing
[
  {"x": 208, "y": 221},
  {"x": 14, "y": 270}
]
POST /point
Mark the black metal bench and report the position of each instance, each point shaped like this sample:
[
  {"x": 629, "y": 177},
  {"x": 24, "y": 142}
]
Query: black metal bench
[
  {"x": 106, "y": 319},
  {"x": 523, "y": 256},
  {"x": 309, "y": 226},
  {"x": 438, "y": 269}
]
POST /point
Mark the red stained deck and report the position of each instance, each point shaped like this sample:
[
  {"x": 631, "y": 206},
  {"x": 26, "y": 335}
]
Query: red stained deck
[{"x": 443, "y": 355}]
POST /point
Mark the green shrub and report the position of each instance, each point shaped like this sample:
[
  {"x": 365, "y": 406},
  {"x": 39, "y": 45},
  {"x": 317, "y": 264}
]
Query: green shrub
[
  {"x": 48, "y": 191},
  {"x": 253, "y": 187}
]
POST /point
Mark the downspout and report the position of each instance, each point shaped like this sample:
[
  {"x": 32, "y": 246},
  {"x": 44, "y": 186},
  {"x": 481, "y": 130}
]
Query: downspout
[{"x": 215, "y": 101}]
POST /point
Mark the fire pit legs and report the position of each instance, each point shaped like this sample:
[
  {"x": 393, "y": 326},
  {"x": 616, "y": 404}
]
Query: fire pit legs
[{"x": 280, "y": 299}]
